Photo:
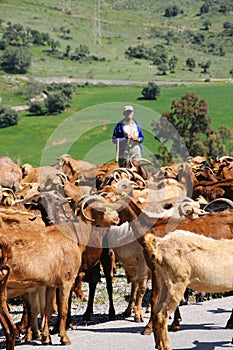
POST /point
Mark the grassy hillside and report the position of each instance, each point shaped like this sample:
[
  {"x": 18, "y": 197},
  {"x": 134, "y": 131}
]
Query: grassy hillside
[
  {"x": 124, "y": 24},
  {"x": 85, "y": 130}
]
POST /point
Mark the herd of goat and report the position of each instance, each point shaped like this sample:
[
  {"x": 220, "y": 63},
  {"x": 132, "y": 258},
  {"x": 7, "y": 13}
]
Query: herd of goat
[{"x": 58, "y": 223}]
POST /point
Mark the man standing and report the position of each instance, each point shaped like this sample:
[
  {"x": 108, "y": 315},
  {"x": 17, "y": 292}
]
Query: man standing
[{"x": 128, "y": 136}]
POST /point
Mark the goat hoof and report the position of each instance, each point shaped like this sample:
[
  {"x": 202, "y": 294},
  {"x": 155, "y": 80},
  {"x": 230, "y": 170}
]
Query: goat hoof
[
  {"x": 174, "y": 327},
  {"x": 65, "y": 341},
  {"x": 146, "y": 331},
  {"x": 46, "y": 339}
]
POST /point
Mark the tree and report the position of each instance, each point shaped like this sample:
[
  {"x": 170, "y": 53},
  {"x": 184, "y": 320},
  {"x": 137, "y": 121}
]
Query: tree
[
  {"x": 224, "y": 9},
  {"x": 207, "y": 24},
  {"x": 231, "y": 73},
  {"x": 67, "y": 52},
  {"x": 151, "y": 91},
  {"x": 54, "y": 44},
  {"x": 169, "y": 36},
  {"x": 162, "y": 68},
  {"x": 56, "y": 103},
  {"x": 190, "y": 63},
  {"x": 198, "y": 39},
  {"x": 82, "y": 52},
  {"x": 171, "y": 11},
  {"x": 228, "y": 29},
  {"x": 172, "y": 63},
  {"x": 37, "y": 108},
  {"x": 205, "y": 66},
  {"x": 204, "y": 8},
  {"x": 187, "y": 127},
  {"x": 15, "y": 60},
  {"x": 8, "y": 117}
]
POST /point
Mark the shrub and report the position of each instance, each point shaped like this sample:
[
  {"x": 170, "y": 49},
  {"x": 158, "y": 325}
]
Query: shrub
[
  {"x": 151, "y": 91},
  {"x": 15, "y": 60},
  {"x": 56, "y": 103},
  {"x": 8, "y": 117},
  {"x": 37, "y": 108}
]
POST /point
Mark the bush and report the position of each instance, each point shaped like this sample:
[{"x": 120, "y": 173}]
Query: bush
[
  {"x": 15, "y": 60},
  {"x": 56, "y": 103},
  {"x": 38, "y": 108},
  {"x": 8, "y": 117},
  {"x": 151, "y": 91}
]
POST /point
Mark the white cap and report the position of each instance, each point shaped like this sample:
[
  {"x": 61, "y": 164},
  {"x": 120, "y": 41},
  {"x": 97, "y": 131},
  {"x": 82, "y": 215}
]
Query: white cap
[{"x": 128, "y": 108}]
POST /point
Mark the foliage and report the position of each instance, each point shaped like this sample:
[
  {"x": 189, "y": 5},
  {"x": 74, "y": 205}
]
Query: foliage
[
  {"x": 58, "y": 99},
  {"x": 15, "y": 60},
  {"x": 162, "y": 68},
  {"x": 205, "y": 66},
  {"x": 189, "y": 116},
  {"x": 17, "y": 35},
  {"x": 190, "y": 63},
  {"x": 172, "y": 63},
  {"x": 56, "y": 103},
  {"x": 151, "y": 91},
  {"x": 8, "y": 117},
  {"x": 81, "y": 53},
  {"x": 37, "y": 108},
  {"x": 171, "y": 11}
]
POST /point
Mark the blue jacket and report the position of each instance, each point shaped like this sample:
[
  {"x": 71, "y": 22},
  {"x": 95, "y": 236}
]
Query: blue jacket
[{"x": 118, "y": 132}]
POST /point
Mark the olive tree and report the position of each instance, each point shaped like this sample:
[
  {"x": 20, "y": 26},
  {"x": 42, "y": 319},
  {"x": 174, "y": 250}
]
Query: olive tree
[
  {"x": 15, "y": 60},
  {"x": 151, "y": 91},
  {"x": 190, "y": 118},
  {"x": 8, "y": 117}
]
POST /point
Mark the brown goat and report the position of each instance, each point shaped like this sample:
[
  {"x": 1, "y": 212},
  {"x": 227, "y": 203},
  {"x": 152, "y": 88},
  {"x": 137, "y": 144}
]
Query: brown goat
[
  {"x": 216, "y": 225},
  {"x": 51, "y": 257},
  {"x": 184, "y": 259},
  {"x": 5, "y": 318}
]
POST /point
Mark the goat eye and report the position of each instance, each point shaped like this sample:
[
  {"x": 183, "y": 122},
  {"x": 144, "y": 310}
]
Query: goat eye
[{"x": 108, "y": 210}]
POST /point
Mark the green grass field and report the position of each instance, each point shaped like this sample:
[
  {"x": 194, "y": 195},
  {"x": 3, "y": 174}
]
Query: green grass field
[{"x": 85, "y": 129}]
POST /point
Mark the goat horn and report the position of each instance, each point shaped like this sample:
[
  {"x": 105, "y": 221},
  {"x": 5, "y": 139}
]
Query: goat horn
[
  {"x": 188, "y": 204},
  {"x": 147, "y": 162},
  {"x": 62, "y": 176},
  {"x": 228, "y": 158},
  {"x": 34, "y": 217},
  {"x": 140, "y": 178},
  {"x": 117, "y": 172},
  {"x": 226, "y": 200},
  {"x": 6, "y": 189},
  {"x": 86, "y": 200}
]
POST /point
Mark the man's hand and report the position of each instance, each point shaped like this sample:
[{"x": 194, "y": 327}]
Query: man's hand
[{"x": 134, "y": 138}]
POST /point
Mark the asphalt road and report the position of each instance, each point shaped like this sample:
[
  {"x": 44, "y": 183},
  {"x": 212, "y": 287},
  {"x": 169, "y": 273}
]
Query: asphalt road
[{"x": 202, "y": 328}]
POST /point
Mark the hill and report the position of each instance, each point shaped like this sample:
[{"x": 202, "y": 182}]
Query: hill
[{"x": 90, "y": 42}]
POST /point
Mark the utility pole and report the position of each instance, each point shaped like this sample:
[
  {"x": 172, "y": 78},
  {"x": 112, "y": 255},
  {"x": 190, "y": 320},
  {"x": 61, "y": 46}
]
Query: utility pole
[
  {"x": 97, "y": 29},
  {"x": 65, "y": 4}
]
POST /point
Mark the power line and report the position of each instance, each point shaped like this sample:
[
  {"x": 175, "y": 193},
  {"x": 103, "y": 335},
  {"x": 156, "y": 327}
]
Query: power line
[
  {"x": 97, "y": 27},
  {"x": 65, "y": 4}
]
